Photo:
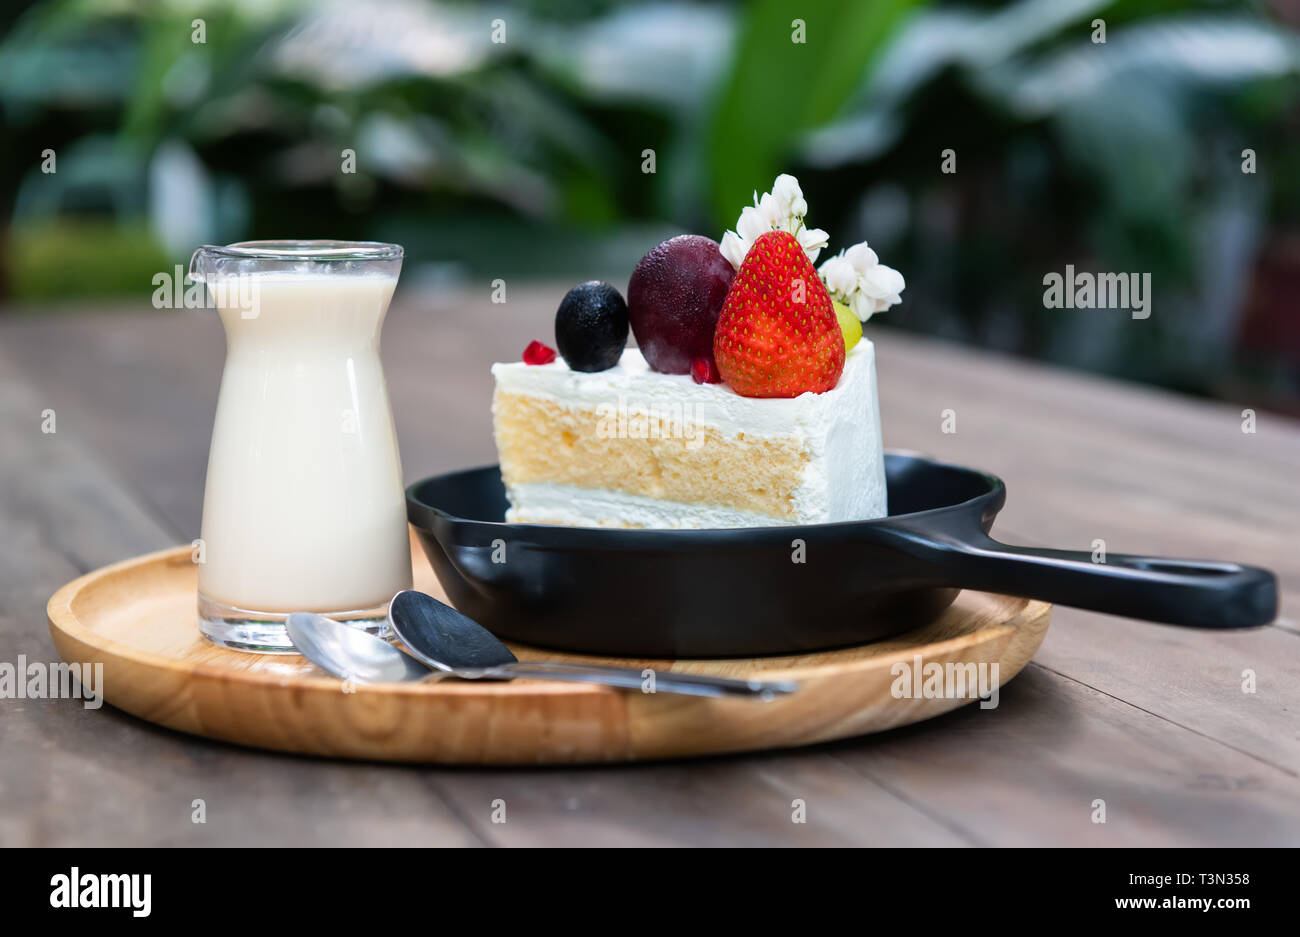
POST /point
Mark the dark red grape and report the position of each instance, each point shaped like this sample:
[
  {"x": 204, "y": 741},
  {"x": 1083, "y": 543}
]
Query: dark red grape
[{"x": 673, "y": 301}]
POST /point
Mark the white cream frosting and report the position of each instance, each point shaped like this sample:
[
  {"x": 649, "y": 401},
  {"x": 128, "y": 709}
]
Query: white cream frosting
[{"x": 840, "y": 429}]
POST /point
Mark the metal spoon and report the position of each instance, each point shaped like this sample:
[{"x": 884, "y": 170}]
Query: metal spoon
[
  {"x": 349, "y": 653},
  {"x": 446, "y": 640}
]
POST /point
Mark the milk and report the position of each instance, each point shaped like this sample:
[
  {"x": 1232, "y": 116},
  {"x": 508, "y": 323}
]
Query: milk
[{"x": 304, "y": 508}]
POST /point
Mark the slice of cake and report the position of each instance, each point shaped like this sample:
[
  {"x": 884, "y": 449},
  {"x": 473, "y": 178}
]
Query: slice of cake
[
  {"x": 630, "y": 447},
  {"x": 750, "y": 401}
]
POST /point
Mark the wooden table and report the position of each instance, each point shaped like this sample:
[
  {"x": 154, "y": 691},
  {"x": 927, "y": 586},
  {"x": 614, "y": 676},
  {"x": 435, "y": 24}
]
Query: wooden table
[{"x": 1151, "y": 720}]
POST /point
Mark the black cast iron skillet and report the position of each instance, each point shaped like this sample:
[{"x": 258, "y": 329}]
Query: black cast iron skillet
[{"x": 732, "y": 593}]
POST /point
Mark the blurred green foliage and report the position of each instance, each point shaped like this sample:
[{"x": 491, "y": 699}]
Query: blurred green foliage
[
  {"x": 81, "y": 257},
  {"x": 777, "y": 89}
]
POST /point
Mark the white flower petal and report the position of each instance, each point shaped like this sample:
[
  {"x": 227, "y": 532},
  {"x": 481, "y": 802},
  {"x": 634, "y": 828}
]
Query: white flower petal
[
  {"x": 883, "y": 284},
  {"x": 771, "y": 210},
  {"x": 787, "y": 193},
  {"x": 752, "y": 225},
  {"x": 733, "y": 248},
  {"x": 839, "y": 275},
  {"x": 813, "y": 237},
  {"x": 862, "y": 257},
  {"x": 869, "y": 287},
  {"x": 885, "y": 281},
  {"x": 812, "y": 240},
  {"x": 862, "y": 305},
  {"x": 892, "y": 277}
]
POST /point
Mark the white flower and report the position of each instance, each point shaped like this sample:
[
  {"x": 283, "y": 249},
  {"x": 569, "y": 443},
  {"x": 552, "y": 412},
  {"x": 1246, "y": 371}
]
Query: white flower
[
  {"x": 812, "y": 240},
  {"x": 839, "y": 275},
  {"x": 752, "y": 226},
  {"x": 884, "y": 285},
  {"x": 782, "y": 209},
  {"x": 881, "y": 282},
  {"x": 862, "y": 305},
  {"x": 733, "y": 248},
  {"x": 771, "y": 210},
  {"x": 788, "y": 196},
  {"x": 858, "y": 278},
  {"x": 862, "y": 257}
]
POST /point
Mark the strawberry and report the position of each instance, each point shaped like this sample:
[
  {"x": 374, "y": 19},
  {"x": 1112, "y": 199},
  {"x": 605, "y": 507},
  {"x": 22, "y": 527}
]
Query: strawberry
[{"x": 777, "y": 334}]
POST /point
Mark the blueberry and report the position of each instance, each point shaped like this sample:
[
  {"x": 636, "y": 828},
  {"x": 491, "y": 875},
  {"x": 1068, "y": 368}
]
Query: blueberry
[{"x": 591, "y": 326}]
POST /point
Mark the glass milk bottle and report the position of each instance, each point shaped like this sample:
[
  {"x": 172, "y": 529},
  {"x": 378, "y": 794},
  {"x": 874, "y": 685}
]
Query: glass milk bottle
[{"x": 304, "y": 507}]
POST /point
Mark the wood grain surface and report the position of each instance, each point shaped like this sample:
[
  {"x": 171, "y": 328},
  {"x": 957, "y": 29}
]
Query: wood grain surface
[{"x": 1150, "y": 719}]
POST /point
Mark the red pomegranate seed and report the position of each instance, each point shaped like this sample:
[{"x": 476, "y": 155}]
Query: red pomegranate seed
[
  {"x": 705, "y": 371},
  {"x": 537, "y": 353}
]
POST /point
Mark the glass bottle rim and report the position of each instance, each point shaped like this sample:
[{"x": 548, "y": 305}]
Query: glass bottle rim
[{"x": 305, "y": 250}]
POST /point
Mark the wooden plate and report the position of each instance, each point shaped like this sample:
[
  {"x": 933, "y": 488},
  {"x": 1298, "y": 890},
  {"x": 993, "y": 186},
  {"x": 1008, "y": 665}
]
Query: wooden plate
[{"x": 137, "y": 618}]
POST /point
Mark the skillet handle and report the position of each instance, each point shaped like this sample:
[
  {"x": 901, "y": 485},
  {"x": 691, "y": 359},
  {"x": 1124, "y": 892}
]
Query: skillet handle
[{"x": 1195, "y": 593}]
